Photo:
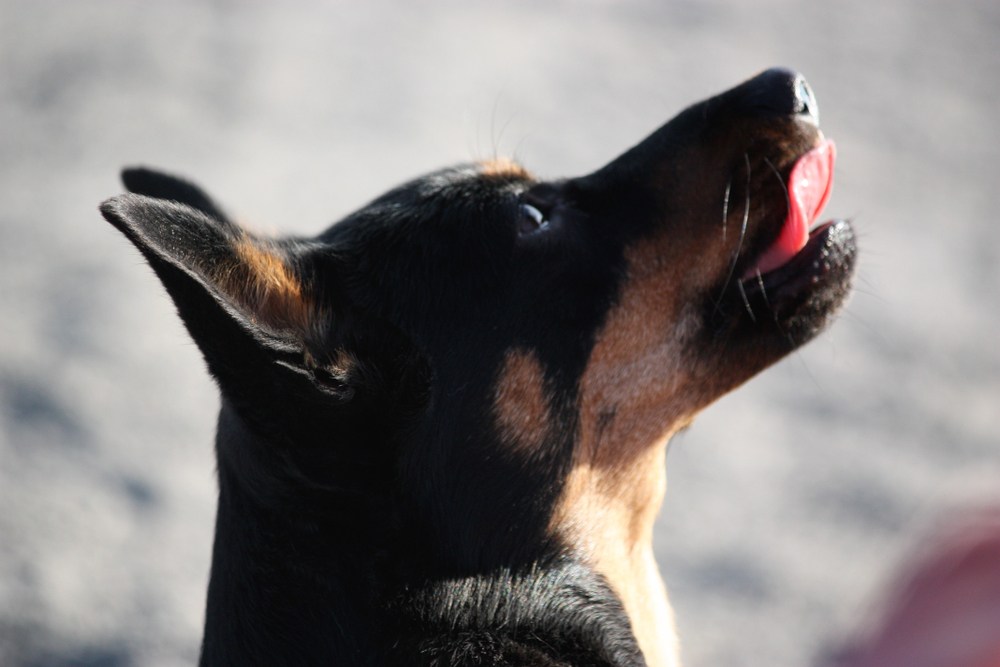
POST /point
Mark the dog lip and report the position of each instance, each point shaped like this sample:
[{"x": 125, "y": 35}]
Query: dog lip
[{"x": 828, "y": 253}]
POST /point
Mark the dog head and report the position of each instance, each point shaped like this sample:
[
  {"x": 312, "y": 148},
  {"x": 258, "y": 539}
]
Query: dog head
[{"x": 500, "y": 359}]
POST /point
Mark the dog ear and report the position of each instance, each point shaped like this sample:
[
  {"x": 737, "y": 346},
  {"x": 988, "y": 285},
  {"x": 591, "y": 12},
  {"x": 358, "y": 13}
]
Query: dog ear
[
  {"x": 271, "y": 317},
  {"x": 158, "y": 185},
  {"x": 250, "y": 279},
  {"x": 244, "y": 300}
]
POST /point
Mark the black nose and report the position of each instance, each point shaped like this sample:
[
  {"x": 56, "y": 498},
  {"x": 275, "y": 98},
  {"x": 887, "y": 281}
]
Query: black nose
[{"x": 782, "y": 92}]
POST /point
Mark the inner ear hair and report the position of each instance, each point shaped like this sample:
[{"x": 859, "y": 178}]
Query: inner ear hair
[{"x": 262, "y": 284}]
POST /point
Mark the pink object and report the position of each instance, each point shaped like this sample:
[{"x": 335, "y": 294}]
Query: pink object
[
  {"x": 945, "y": 611},
  {"x": 809, "y": 188}
]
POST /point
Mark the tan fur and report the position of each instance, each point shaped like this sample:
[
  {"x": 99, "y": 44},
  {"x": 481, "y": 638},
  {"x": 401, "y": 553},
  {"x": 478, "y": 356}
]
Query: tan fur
[
  {"x": 521, "y": 405},
  {"x": 259, "y": 280},
  {"x": 502, "y": 168},
  {"x": 631, "y": 401},
  {"x": 612, "y": 527}
]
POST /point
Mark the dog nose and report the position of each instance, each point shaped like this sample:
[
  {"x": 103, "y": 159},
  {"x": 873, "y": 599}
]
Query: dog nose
[
  {"x": 783, "y": 92},
  {"x": 805, "y": 99}
]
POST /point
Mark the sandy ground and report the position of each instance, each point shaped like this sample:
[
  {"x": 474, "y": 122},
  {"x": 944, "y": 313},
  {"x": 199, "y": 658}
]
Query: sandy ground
[{"x": 790, "y": 502}]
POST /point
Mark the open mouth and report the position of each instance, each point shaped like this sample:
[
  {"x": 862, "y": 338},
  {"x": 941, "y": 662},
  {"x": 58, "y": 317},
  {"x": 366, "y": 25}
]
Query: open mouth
[
  {"x": 809, "y": 187},
  {"x": 804, "y": 273},
  {"x": 794, "y": 271},
  {"x": 806, "y": 254}
]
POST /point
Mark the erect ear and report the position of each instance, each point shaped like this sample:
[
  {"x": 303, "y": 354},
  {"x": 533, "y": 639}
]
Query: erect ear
[
  {"x": 158, "y": 185},
  {"x": 244, "y": 300},
  {"x": 253, "y": 275},
  {"x": 249, "y": 278}
]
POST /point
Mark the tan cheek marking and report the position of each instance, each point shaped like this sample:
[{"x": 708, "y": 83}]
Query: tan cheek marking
[
  {"x": 637, "y": 371},
  {"x": 632, "y": 399},
  {"x": 502, "y": 168},
  {"x": 520, "y": 403},
  {"x": 261, "y": 282}
]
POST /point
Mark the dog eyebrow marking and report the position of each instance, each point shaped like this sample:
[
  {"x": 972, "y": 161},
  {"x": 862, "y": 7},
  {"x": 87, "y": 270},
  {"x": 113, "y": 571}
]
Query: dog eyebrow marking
[
  {"x": 501, "y": 168},
  {"x": 521, "y": 404},
  {"x": 260, "y": 281}
]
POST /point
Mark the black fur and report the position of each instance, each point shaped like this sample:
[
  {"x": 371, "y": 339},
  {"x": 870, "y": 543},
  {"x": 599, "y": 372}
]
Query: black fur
[{"x": 369, "y": 512}]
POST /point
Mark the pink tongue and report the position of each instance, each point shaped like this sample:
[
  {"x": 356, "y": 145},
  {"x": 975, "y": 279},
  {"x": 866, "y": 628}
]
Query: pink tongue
[{"x": 808, "y": 191}]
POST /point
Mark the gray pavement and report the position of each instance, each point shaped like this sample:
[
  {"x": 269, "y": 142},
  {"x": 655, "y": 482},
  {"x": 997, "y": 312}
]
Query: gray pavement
[{"x": 791, "y": 502}]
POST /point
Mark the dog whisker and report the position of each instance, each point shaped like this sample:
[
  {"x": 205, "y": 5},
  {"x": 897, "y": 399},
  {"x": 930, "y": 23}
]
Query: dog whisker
[
  {"x": 743, "y": 233},
  {"x": 746, "y": 302},
  {"x": 725, "y": 208},
  {"x": 767, "y": 303},
  {"x": 784, "y": 188},
  {"x": 746, "y": 218},
  {"x": 763, "y": 291}
]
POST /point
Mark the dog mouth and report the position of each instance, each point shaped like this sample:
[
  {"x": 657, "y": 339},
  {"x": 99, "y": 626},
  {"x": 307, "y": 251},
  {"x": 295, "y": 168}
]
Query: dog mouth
[
  {"x": 805, "y": 251},
  {"x": 826, "y": 256},
  {"x": 808, "y": 191},
  {"x": 798, "y": 278}
]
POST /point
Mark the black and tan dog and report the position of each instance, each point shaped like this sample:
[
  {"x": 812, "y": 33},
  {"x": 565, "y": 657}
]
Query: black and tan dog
[{"x": 444, "y": 419}]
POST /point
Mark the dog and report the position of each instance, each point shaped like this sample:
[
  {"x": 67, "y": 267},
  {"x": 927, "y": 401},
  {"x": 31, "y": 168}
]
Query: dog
[{"x": 444, "y": 419}]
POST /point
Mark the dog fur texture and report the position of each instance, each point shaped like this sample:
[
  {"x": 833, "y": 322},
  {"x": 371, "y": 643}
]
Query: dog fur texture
[{"x": 444, "y": 419}]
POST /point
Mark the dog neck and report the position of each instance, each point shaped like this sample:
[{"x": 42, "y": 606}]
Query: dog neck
[
  {"x": 288, "y": 578},
  {"x": 609, "y": 515},
  {"x": 293, "y": 577}
]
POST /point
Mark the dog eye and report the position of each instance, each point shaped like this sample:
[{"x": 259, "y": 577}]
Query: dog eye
[{"x": 531, "y": 220}]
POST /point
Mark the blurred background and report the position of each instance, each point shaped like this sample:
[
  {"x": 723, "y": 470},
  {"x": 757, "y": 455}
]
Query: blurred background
[{"x": 791, "y": 502}]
